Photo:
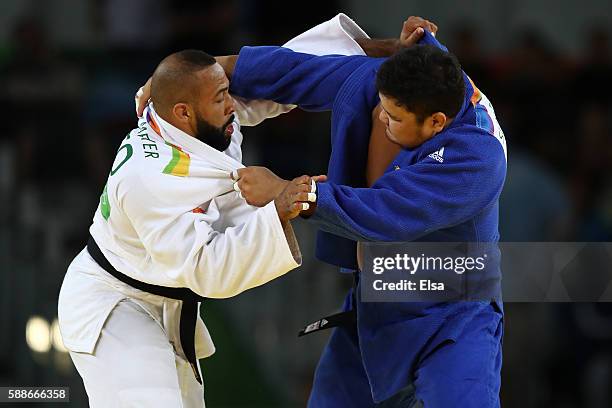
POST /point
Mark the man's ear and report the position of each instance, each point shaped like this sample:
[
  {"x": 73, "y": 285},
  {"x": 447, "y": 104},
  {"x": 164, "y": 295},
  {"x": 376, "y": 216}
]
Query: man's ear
[
  {"x": 181, "y": 112},
  {"x": 438, "y": 121}
]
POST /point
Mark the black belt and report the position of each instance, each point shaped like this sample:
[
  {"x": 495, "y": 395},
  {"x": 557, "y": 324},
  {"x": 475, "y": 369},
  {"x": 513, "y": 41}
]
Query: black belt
[
  {"x": 189, "y": 309},
  {"x": 341, "y": 319}
]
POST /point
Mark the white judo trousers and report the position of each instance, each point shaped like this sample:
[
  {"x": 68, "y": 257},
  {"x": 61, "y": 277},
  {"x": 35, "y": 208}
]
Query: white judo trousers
[
  {"x": 125, "y": 343},
  {"x": 153, "y": 376}
]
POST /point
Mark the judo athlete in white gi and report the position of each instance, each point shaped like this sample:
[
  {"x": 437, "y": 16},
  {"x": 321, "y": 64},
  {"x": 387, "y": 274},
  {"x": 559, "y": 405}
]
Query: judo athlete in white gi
[{"x": 170, "y": 230}]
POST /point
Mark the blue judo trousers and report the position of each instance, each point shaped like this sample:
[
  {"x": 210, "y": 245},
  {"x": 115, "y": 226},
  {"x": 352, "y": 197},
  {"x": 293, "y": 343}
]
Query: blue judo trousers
[{"x": 403, "y": 354}]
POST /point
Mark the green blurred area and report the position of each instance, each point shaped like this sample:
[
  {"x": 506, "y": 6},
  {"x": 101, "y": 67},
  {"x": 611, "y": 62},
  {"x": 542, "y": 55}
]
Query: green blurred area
[{"x": 232, "y": 377}]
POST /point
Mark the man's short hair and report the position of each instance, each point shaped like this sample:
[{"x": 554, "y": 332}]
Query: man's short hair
[
  {"x": 423, "y": 79},
  {"x": 175, "y": 80}
]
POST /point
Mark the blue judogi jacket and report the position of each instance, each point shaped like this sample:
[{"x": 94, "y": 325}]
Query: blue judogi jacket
[{"x": 418, "y": 197}]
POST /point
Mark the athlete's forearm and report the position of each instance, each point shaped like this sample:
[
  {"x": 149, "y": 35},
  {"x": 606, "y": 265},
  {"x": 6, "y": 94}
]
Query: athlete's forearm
[
  {"x": 379, "y": 48},
  {"x": 292, "y": 241},
  {"x": 412, "y": 31}
]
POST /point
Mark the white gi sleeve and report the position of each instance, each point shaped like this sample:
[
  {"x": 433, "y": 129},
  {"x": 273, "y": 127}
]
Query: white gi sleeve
[
  {"x": 182, "y": 244},
  {"x": 252, "y": 113}
]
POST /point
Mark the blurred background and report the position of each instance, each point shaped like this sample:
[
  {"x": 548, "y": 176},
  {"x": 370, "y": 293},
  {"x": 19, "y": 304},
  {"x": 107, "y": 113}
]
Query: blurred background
[{"x": 68, "y": 73}]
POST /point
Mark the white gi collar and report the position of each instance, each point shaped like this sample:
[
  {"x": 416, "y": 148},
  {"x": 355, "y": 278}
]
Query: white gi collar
[{"x": 193, "y": 145}]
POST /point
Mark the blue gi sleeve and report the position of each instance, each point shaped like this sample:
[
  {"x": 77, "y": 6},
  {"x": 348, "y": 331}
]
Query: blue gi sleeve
[
  {"x": 416, "y": 200},
  {"x": 288, "y": 77}
]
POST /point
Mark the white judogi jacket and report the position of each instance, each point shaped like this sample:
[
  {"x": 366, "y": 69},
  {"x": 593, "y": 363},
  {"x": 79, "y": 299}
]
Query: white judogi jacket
[{"x": 169, "y": 216}]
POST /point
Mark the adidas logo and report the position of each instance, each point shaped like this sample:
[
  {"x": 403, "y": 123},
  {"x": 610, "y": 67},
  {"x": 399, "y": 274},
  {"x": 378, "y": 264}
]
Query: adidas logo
[{"x": 438, "y": 155}]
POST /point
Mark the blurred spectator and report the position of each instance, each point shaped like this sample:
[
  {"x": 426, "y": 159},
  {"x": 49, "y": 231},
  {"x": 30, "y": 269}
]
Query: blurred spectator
[
  {"x": 40, "y": 93},
  {"x": 134, "y": 24},
  {"x": 466, "y": 45},
  {"x": 274, "y": 22},
  {"x": 206, "y": 25},
  {"x": 591, "y": 171},
  {"x": 594, "y": 77},
  {"x": 533, "y": 78},
  {"x": 534, "y": 205}
]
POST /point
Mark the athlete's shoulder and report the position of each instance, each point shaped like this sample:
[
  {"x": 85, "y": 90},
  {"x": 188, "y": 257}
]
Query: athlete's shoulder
[
  {"x": 142, "y": 158},
  {"x": 468, "y": 151},
  {"x": 478, "y": 143}
]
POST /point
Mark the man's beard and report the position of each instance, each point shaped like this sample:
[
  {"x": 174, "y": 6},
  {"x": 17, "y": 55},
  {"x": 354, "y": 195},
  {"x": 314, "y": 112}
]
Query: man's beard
[{"x": 217, "y": 138}]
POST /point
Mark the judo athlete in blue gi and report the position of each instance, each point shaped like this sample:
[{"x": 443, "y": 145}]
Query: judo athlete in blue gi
[{"x": 444, "y": 185}]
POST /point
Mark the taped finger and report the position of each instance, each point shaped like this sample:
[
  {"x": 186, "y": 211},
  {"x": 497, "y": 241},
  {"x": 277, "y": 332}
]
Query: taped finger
[
  {"x": 305, "y": 206},
  {"x": 236, "y": 187}
]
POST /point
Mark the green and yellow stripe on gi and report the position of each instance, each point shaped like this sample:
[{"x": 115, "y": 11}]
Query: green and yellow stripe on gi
[{"x": 179, "y": 164}]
